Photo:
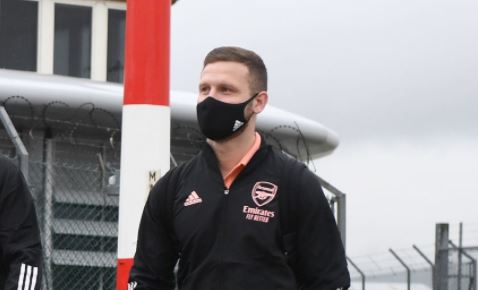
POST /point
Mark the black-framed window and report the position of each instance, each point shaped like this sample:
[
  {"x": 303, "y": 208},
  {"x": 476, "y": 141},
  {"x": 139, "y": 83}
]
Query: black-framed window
[
  {"x": 18, "y": 34},
  {"x": 116, "y": 45},
  {"x": 72, "y": 52}
]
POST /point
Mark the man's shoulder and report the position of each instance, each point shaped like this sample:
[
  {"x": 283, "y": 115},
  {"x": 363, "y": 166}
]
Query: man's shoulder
[
  {"x": 287, "y": 161},
  {"x": 294, "y": 171},
  {"x": 186, "y": 167},
  {"x": 10, "y": 177},
  {"x": 176, "y": 174}
]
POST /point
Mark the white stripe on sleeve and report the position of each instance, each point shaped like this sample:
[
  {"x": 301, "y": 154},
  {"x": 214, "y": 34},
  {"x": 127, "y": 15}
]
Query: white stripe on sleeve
[
  {"x": 20, "y": 277},
  {"x": 29, "y": 273},
  {"x": 34, "y": 279}
]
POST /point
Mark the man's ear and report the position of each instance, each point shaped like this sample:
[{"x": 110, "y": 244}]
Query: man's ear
[{"x": 260, "y": 101}]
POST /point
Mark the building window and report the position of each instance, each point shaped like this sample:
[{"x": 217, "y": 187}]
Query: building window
[
  {"x": 18, "y": 34},
  {"x": 116, "y": 45},
  {"x": 72, "y": 52}
]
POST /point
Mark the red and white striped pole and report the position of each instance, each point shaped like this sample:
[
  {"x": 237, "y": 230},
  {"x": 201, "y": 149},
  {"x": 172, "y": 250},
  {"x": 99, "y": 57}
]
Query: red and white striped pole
[{"x": 145, "y": 144}]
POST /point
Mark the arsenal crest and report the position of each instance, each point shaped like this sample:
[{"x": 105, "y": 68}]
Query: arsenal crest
[{"x": 263, "y": 192}]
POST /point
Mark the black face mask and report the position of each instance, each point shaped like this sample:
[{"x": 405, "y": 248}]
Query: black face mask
[{"x": 218, "y": 120}]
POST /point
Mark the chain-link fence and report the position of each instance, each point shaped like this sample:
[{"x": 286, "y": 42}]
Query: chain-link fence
[
  {"x": 444, "y": 265},
  {"x": 72, "y": 171},
  {"x": 461, "y": 264},
  {"x": 461, "y": 270},
  {"x": 76, "y": 196},
  {"x": 384, "y": 271},
  {"x": 79, "y": 214}
]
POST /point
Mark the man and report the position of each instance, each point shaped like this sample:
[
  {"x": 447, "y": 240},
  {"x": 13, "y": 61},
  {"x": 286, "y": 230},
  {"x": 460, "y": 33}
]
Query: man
[
  {"x": 219, "y": 214},
  {"x": 20, "y": 246}
]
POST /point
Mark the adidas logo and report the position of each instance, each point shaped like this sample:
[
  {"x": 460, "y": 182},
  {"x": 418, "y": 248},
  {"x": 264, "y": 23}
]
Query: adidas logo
[
  {"x": 238, "y": 124},
  {"x": 193, "y": 198}
]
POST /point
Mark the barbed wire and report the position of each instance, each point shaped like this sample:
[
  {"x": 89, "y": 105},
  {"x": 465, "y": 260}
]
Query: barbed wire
[
  {"x": 384, "y": 263},
  {"x": 299, "y": 139},
  {"x": 5, "y": 104},
  {"x": 66, "y": 125}
]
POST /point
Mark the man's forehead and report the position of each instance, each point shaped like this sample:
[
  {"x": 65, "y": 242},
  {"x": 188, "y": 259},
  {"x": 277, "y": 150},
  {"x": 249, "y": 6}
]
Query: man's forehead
[{"x": 229, "y": 67}]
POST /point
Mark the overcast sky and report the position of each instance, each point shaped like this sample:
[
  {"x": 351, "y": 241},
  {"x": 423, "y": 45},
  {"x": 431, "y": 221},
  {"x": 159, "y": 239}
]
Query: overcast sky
[{"x": 396, "y": 79}]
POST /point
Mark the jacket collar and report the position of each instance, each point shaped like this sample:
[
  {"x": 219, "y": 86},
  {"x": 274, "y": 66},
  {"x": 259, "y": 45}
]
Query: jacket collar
[{"x": 213, "y": 163}]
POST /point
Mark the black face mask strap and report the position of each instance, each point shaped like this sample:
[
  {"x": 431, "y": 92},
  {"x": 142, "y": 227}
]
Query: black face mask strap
[
  {"x": 252, "y": 98},
  {"x": 247, "y": 103}
]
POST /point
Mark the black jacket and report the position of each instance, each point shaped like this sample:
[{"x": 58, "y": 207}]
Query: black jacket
[
  {"x": 20, "y": 246},
  {"x": 233, "y": 239}
]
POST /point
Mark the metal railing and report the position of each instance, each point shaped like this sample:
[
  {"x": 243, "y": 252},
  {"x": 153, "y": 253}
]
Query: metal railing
[{"x": 454, "y": 266}]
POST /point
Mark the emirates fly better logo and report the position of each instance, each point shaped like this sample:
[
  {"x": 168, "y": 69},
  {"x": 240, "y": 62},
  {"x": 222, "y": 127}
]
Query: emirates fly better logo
[{"x": 263, "y": 193}]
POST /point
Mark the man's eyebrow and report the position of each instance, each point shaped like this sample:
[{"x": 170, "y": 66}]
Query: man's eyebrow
[
  {"x": 221, "y": 85},
  {"x": 228, "y": 86}
]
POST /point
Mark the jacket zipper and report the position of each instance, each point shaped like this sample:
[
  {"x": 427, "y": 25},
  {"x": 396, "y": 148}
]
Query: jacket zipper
[{"x": 223, "y": 236}]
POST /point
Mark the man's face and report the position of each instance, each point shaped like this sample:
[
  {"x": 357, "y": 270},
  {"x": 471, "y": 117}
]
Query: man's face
[{"x": 226, "y": 81}]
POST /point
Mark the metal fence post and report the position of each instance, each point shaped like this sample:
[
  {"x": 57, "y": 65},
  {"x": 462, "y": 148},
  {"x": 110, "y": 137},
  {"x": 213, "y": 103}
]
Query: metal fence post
[
  {"x": 474, "y": 269},
  {"x": 48, "y": 212},
  {"x": 404, "y": 265},
  {"x": 341, "y": 216},
  {"x": 473, "y": 263},
  {"x": 460, "y": 246},
  {"x": 441, "y": 256},
  {"x": 429, "y": 262},
  {"x": 358, "y": 270},
  {"x": 341, "y": 207},
  {"x": 17, "y": 142}
]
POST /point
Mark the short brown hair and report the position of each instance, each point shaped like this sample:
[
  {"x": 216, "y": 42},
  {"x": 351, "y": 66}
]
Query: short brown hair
[{"x": 253, "y": 62}]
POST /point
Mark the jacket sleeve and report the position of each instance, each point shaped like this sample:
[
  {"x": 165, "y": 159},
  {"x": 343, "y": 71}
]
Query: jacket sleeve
[
  {"x": 320, "y": 263},
  {"x": 20, "y": 244},
  {"x": 156, "y": 250}
]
